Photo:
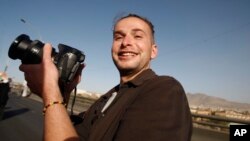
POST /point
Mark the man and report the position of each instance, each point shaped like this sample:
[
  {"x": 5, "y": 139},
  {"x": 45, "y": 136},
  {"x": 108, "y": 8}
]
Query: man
[
  {"x": 4, "y": 92},
  {"x": 143, "y": 107}
]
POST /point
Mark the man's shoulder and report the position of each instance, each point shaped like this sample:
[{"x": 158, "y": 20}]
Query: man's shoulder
[
  {"x": 161, "y": 88},
  {"x": 165, "y": 79},
  {"x": 164, "y": 83}
]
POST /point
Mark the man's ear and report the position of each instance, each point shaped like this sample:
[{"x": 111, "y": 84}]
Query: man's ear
[{"x": 154, "y": 51}]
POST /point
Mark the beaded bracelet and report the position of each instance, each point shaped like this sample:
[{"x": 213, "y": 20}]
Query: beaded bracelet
[{"x": 51, "y": 104}]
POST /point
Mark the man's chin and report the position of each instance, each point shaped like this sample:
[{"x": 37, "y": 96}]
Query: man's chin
[
  {"x": 125, "y": 71},
  {"x": 125, "y": 67}
]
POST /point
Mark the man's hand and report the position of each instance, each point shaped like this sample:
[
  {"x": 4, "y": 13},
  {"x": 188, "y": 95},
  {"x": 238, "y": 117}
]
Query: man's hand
[{"x": 43, "y": 78}]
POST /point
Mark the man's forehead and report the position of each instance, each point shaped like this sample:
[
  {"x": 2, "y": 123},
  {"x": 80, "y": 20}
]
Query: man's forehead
[{"x": 134, "y": 23}]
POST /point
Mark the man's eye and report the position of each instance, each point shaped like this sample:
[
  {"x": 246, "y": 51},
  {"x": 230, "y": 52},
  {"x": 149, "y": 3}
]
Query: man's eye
[
  {"x": 138, "y": 36},
  {"x": 118, "y": 37}
]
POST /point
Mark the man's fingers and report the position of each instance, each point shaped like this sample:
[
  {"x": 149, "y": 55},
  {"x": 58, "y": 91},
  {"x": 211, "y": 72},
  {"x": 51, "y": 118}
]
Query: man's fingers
[
  {"x": 47, "y": 51},
  {"x": 22, "y": 68},
  {"x": 26, "y": 67},
  {"x": 81, "y": 67}
]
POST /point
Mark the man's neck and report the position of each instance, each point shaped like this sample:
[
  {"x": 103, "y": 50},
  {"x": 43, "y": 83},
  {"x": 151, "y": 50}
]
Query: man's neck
[{"x": 130, "y": 76}]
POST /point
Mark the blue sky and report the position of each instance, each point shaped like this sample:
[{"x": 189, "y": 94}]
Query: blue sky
[{"x": 205, "y": 44}]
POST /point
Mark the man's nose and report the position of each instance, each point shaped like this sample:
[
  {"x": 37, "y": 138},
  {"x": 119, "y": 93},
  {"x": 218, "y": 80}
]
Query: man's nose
[{"x": 127, "y": 40}]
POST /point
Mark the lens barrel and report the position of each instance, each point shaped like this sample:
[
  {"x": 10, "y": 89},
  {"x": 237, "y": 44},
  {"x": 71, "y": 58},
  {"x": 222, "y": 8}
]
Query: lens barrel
[{"x": 28, "y": 51}]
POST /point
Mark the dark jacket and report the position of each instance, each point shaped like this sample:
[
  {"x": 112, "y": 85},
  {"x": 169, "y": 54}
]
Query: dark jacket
[{"x": 148, "y": 108}]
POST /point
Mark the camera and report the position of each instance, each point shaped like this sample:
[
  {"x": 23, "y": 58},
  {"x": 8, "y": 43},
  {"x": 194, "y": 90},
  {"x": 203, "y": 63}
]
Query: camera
[{"x": 67, "y": 60}]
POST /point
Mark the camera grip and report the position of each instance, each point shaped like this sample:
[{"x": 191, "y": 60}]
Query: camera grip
[{"x": 67, "y": 67}]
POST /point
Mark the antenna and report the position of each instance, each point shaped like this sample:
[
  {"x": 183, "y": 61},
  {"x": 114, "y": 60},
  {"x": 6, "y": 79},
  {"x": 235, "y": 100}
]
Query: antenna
[
  {"x": 7, "y": 64},
  {"x": 32, "y": 28}
]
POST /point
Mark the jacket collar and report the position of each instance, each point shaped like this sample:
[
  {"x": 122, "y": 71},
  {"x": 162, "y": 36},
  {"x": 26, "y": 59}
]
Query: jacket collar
[{"x": 141, "y": 78}]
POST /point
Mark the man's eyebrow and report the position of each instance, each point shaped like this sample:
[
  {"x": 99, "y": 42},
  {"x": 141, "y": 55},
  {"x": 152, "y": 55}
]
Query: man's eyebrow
[
  {"x": 138, "y": 30},
  {"x": 133, "y": 30},
  {"x": 118, "y": 32}
]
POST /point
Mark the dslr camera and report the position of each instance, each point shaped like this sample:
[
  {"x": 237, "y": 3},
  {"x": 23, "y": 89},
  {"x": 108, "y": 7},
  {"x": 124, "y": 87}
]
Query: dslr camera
[{"x": 67, "y": 60}]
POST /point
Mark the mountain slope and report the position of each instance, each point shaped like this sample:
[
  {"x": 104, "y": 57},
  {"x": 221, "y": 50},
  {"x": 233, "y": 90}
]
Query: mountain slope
[{"x": 204, "y": 100}]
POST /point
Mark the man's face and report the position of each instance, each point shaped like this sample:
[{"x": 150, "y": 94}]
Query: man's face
[{"x": 133, "y": 45}]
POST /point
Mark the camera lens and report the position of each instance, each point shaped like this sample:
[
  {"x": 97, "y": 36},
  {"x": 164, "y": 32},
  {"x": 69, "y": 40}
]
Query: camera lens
[{"x": 28, "y": 51}]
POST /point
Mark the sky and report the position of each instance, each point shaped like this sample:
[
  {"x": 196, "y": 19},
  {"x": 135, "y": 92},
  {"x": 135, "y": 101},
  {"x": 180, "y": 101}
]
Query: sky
[{"x": 204, "y": 44}]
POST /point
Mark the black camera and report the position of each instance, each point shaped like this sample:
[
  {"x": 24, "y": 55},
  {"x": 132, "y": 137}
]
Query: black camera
[{"x": 67, "y": 60}]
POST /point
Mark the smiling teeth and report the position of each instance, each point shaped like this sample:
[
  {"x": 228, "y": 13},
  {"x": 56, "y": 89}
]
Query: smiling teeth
[{"x": 127, "y": 53}]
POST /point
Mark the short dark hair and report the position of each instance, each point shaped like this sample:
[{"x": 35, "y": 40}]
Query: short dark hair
[{"x": 148, "y": 22}]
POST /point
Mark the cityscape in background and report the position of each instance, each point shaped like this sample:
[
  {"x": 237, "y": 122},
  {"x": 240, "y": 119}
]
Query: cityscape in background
[{"x": 208, "y": 112}]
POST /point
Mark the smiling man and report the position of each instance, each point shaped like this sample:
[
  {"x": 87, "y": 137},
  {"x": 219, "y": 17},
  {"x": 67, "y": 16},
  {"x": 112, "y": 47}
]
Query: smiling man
[{"x": 144, "y": 106}]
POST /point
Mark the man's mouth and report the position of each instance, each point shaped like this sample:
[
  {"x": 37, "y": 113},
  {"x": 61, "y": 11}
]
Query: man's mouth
[{"x": 127, "y": 53}]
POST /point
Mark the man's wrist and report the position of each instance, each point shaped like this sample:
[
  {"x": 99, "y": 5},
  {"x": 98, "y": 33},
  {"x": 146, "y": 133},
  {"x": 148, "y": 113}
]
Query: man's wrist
[
  {"x": 51, "y": 96},
  {"x": 52, "y": 104}
]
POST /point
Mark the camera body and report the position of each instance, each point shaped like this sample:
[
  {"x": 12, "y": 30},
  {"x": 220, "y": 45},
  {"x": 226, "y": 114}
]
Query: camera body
[{"x": 67, "y": 60}]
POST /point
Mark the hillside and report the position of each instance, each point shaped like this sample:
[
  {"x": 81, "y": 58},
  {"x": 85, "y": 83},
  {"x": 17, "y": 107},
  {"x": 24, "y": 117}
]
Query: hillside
[{"x": 203, "y": 100}]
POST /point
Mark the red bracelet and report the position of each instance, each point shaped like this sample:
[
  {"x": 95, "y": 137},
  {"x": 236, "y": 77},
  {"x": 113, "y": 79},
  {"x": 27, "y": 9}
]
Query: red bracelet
[{"x": 51, "y": 104}]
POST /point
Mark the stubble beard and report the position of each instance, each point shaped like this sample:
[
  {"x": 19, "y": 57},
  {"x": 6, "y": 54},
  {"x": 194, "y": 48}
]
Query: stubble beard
[{"x": 130, "y": 71}]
